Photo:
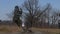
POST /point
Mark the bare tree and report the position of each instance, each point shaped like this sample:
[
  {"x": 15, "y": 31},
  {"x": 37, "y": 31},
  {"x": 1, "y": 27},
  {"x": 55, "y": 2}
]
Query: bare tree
[
  {"x": 33, "y": 14},
  {"x": 31, "y": 6},
  {"x": 54, "y": 18}
]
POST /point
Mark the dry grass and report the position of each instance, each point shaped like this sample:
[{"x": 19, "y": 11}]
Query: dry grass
[
  {"x": 47, "y": 30},
  {"x": 6, "y": 28}
]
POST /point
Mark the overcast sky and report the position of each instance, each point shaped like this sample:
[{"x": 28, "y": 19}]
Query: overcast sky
[{"x": 7, "y": 6}]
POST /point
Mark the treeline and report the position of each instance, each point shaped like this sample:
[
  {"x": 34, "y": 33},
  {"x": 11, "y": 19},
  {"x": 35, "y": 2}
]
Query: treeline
[{"x": 35, "y": 16}]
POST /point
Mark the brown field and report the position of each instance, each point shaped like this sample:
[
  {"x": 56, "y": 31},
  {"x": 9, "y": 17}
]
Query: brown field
[
  {"x": 47, "y": 30},
  {"x": 5, "y": 28}
]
